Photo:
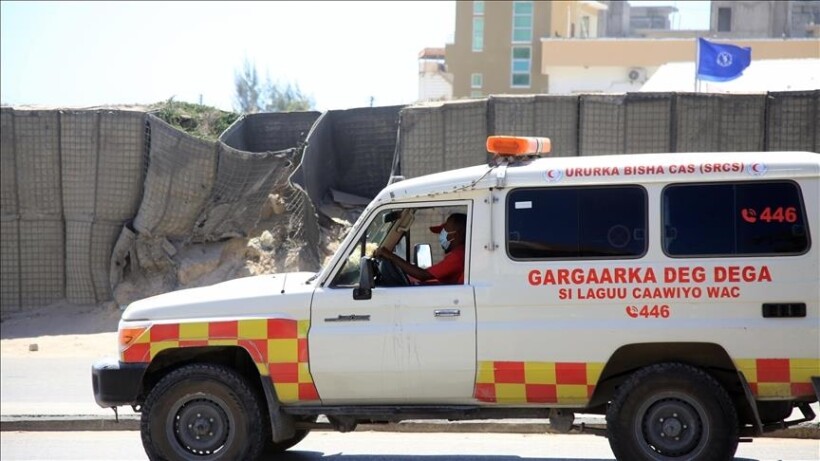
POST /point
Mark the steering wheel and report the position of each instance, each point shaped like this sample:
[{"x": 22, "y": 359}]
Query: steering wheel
[{"x": 388, "y": 274}]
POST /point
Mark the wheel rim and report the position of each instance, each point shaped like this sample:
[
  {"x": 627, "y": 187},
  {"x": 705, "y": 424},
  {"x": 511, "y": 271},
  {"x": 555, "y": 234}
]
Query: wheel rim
[
  {"x": 200, "y": 426},
  {"x": 672, "y": 425}
]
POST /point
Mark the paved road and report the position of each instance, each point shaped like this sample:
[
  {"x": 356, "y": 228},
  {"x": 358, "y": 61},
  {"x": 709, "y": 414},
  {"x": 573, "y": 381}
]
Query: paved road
[
  {"x": 380, "y": 446},
  {"x": 49, "y": 386}
]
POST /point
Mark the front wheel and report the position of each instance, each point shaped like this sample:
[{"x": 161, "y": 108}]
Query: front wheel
[
  {"x": 202, "y": 412},
  {"x": 672, "y": 411}
]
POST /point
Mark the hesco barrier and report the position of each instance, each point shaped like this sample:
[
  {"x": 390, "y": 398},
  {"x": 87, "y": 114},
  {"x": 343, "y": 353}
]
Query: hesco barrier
[
  {"x": 81, "y": 190},
  {"x": 181, "y": 172},
  {"x": 350, "y": 151},
  {"x": 102, "y": 157},
  {"x": 269, "y": 132}
]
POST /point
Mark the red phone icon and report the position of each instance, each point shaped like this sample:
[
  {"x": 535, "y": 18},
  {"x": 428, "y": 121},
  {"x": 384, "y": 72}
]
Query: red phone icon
[
  {"x": 749, "y": 215},
  {"x": 632, "y": 311}
]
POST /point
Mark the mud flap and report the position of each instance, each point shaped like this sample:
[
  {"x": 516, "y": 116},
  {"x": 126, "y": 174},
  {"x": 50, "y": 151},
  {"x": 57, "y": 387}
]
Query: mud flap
[
  {"x": 757, "y": 424},
  {"x": 282, "y": 425}
]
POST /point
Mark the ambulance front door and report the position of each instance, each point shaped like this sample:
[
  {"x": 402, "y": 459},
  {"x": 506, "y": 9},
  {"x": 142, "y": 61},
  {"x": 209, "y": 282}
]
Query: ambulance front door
[{"x": 404, "y": 345}]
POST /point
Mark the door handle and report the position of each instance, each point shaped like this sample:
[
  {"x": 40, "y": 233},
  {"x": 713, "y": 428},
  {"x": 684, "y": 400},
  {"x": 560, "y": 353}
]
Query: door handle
[
  {"x": 447, "y": 312},
  {"x": 349, "y": 318}
]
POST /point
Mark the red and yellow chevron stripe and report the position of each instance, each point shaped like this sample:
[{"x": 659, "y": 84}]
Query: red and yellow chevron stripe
[
  {"x": 536, "y": 382},
  {"x": 278, "y": 347},
  {"x": 779, "y": 378}
]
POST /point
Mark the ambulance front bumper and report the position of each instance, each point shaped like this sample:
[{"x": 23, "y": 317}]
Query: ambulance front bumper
[{"x": 116, "y": 383}]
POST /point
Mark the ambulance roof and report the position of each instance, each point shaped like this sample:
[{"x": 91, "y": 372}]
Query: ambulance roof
[{"x": 611, "y": 169}]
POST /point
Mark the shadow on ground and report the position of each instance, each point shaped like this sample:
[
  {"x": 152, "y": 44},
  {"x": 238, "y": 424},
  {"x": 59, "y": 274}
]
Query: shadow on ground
[
  {"x": 312, "y": 455},
  {"x": 60, "y": 319}
]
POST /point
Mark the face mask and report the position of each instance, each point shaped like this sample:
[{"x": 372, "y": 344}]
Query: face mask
[{"x": 442, "y": 239}]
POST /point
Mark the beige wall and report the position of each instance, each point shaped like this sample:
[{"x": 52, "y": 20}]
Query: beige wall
[
  {"x": 566, "y": 14},
  {"x": 649, "y": 52},
  {"x": 495, "y": 62}
]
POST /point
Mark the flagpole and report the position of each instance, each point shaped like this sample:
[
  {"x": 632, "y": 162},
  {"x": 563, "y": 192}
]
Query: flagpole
[{"x": 697, "y": 61}]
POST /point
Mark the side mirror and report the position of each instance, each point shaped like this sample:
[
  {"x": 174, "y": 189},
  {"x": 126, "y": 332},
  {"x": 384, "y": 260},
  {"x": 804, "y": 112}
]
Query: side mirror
[
  {"x": 423, "y": 255},
  {"x": 366, "y": 281}
]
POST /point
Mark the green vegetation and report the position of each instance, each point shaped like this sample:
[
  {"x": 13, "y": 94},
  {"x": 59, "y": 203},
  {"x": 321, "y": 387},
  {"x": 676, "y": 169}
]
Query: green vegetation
[
  {"x": 204, "y": 122},
  {"x": 252, "y": 96}
]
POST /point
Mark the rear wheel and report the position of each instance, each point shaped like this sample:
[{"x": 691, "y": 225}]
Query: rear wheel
[
  {"x": 202, "y": 412},
  {"x": 672, "y": 411}
]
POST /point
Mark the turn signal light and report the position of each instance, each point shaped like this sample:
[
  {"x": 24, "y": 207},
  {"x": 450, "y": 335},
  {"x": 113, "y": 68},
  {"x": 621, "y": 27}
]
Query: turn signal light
[{"x": 128, "y": 336}]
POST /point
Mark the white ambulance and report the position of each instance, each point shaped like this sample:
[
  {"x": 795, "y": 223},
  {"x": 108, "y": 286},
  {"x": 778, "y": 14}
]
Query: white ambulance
[{"x": 677, "y": 294}]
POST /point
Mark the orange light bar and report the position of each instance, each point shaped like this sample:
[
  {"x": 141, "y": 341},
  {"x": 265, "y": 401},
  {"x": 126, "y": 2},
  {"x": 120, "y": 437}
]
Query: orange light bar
[{"x": 518, "y": 145}]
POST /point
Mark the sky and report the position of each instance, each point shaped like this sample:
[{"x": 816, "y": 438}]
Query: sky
[{"x": 341, "y": 54}]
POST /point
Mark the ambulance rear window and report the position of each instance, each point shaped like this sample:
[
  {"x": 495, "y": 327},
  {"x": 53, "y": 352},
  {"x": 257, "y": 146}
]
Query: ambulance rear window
[
  {"x": 577, "y": 223},
  {"x": 734, "y": 219}
]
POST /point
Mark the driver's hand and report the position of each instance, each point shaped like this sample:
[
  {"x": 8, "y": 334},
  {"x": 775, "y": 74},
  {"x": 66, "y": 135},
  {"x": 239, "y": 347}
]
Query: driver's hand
[{"x": 382, "y": 252}]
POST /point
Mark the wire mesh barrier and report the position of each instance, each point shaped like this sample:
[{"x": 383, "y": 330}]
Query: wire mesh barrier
[
  {"x": 552, "y": 116},
  {"x": 181, "y": 173},
  {"x": 465, "y": 134},
  {"x": 793, "y": 121},
  {"x": 42, "y": 261},
  {"x": 102, "y": 164},
  {"x": 9, "y": 205},
  {"x": 37, "y": 158},
  {"x": 602, "y": 124},
  {"x": 720, "y": 122},
  {"x": 88, "y": 195},
  {"x": 88, "y": 256},
  {"x": 349, "y": 151},
  {"x": 242, "y": 184},
  {"x": 269, "y": 131},
  {"x": 421, "y": 135},
  {"x": 648, "y": 123},
  {"x": 9, "y": 263}
]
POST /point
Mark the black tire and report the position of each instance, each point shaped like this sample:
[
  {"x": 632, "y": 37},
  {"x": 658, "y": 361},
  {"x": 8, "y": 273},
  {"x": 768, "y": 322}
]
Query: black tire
[
  {"x": 272, "y": 448},
  {"x": 672, "y": 411},
  {"x": 202, "y": 412}
]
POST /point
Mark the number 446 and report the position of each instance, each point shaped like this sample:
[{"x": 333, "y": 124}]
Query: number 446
[{"x": 647, "y": 311}]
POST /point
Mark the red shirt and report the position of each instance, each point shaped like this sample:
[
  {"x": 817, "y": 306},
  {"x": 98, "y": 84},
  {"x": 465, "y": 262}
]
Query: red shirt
[{"x": 450, "y": 270}]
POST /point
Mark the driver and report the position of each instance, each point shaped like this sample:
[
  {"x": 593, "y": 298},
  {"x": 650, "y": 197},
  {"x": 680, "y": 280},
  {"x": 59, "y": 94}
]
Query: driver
[{"x": 448, "y": 271}]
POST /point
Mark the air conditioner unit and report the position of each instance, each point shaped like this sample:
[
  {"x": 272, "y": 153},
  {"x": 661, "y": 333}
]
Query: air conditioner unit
[{"x": 636, "y": 74}]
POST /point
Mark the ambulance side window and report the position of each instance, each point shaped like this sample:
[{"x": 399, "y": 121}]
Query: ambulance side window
[
  {"x": 577, "y": 222},
  {"x": 734, "y": 219}
]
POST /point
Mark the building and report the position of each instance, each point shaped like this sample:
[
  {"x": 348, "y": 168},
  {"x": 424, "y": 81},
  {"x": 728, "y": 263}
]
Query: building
[
  {"x": 619, "y": 65},
  {"x": 762, "y": 75},
  {"x": 435, "y": 83},
  {"x": 529, "y": 47},
  {"x": 497, "y": 44},
  {"x": 755, "y": 19},
  {"x": 729, "y": 19}
]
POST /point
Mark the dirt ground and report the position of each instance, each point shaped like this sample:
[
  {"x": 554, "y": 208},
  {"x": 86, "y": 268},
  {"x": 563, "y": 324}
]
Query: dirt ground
[{"x": 61, "y": 330}]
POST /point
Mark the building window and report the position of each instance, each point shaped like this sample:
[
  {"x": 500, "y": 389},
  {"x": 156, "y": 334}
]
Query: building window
[
  {"x": 521, "y": 66},
  {"x": 476, "y": 80},
  {"x": 743, "y": 219},
  {"x": 522, "y": 22},
  {"x": 577, "y": 223},
  {"x": 478, "y": 8},
  {"x": 724, "y": 19},
  {"x": 478, "y": 33}
]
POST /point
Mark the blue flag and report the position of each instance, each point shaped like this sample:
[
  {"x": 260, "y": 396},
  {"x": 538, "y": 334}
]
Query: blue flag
[{"x": 721, "y": 63}]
